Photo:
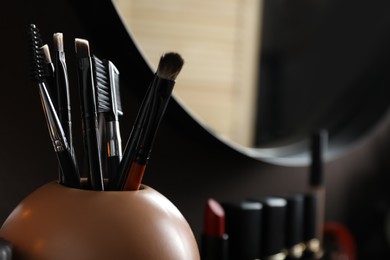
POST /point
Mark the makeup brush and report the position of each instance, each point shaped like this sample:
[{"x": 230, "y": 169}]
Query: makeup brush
[
  {"x": 135, "y": 134},
  {"x": 89, "y": 114},
  {"x": 48, "y": 61},
  {"x": 49, "y": 70},
  {"x": 62, "y": 89},
  {"x": 60, "y": 144},
  {"x": 132, "y": 141},
  {"x": 50, "y": 79},
  {"x": 214, "y": 240},
  {"x": 168, "y": 69},
  {"x": 109, "y": 105}
]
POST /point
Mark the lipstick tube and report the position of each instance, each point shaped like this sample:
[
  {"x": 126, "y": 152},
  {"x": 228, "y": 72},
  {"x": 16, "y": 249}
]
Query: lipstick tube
[
  {"x": 214, "y": 244},
  {"x": 243, "y": 225}
]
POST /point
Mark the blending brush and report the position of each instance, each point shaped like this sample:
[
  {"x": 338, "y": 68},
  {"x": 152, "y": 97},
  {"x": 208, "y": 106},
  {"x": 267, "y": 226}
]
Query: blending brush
[
  {"x": 168, "y": 69},
  {"x": 89, "y": 114},
  {"x": 134, "y": 138},
  {"x": 60, "y": 144},
  {"x": 109, "y": 105}
]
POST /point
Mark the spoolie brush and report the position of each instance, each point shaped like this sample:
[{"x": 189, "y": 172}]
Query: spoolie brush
[
  {"x": 109, "y": 105},
  {"x": 168, "y": 69},
  {"x": 60, "y": 144}
]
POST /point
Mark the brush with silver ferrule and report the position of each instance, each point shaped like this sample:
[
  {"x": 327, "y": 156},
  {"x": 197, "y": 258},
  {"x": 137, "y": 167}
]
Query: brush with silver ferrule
[
  {"x": 109, "y": 105},
  {"x": 89, "y": 114},
  {"x": 168, "y": 69},
  {"x": 60, "y": 143},
  {"x": 62, "y": 89}
]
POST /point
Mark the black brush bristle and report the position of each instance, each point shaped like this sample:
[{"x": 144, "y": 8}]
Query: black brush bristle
[
  {"x": 102, "y": 85},
  {"x": 38, "y": 68},
  {"x": 170, "y": 65}
]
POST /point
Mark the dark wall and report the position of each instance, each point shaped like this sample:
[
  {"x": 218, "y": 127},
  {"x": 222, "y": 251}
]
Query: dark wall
[{"x": 188, "y": 164}]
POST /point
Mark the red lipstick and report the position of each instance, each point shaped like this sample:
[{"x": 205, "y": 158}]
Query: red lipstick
[{"x": 214, "y": 240}]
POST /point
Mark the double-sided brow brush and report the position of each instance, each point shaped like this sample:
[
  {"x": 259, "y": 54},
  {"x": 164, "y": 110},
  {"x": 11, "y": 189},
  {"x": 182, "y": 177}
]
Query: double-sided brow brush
[
  {"x": 89, "y": 114},
  {"x": 169, "y": 67},
  {"x": 60, "y": 144},
  {"x": 109, "y": 105}
]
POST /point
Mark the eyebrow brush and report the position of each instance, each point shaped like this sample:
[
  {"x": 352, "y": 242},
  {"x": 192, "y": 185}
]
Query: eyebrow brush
[
  {"x": 169, "y": 67},
  {"x": 109, "y": 105},
  {"x": 60, "y": 144},
  {"x": 89, "y": 113},
  {"x": 62, "y": 89}
]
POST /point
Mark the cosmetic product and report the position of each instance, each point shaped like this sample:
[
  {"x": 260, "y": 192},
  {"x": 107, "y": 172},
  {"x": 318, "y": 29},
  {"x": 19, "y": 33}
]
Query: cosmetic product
[
  {"x": 60, "y": 144},
  {"x": 319, "y": 143},
  {"x": 89, "y": 114},
  {"x": 294, "y": 226},
  {"x": 312, "y": 244},
  {"x": 214, "y": 241},
  {"x": 168, "y": 69},
  {"x": 109, "y": 106},
  {"x": 132, "y": 142},
  {"x": 62, "y": 89},
  {"x": 243, "y": 226},
  {"x": 50, "y": 70},
  {"x": 273, "y": 227},
  {"x": 50, "y": 79}
]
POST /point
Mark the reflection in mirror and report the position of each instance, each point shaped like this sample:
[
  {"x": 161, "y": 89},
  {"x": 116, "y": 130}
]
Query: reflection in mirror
[
  {"x": 220, "y": 43},
  {"x": 267, "y": 74}
]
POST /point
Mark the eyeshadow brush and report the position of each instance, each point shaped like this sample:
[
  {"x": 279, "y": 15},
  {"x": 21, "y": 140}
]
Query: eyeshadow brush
[
  {"x": 89, "y": 113},
  {"x": 134, "y": 138},
  {"x": 60, "y": 144},
  {"x": 109, "y": 105},
  {"x": 169, "y": 67}
]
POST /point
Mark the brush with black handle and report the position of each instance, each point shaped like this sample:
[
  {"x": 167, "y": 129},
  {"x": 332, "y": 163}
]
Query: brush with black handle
[
  {"x": 174, "y": 62},
  {"x": 62, "y": 89},
  {"x": 50, "y": 80},
  {"x": 168, "y": 69},
  {"x": 57, "y": 135},
  {"x": 89, "y": 114},
  {"x": 109, "y": 105}
]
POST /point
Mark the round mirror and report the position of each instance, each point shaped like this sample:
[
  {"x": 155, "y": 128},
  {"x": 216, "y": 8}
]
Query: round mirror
[{"x": 264, "y": 75}]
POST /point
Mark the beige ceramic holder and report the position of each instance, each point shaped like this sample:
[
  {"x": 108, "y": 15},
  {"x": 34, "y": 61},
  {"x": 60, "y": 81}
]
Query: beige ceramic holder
[{"x": 58, "y": 223}]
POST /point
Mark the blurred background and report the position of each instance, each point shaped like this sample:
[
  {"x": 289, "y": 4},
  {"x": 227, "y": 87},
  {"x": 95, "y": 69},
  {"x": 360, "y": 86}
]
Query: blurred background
[{"x": 320, "y": 64}]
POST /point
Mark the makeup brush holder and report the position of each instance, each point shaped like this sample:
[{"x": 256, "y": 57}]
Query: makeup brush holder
[{"x": 56, "y": 222}]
